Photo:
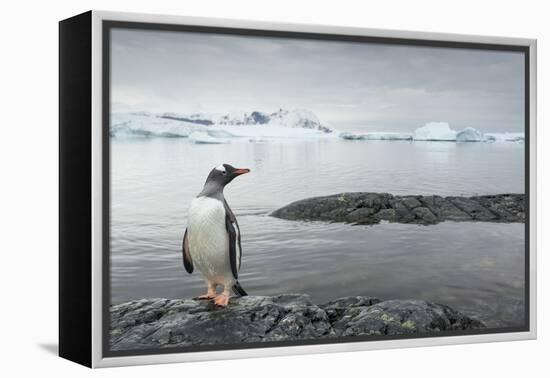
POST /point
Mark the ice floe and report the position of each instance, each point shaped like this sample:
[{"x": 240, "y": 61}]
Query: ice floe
[
  {"x": 377, "y": 135},
  {"x": 202, "y": 137}
]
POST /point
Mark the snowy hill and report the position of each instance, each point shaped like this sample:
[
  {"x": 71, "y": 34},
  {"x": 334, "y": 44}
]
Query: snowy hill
[
  {"x": 297, "y": 118},
  {"x": 280, "y": 124}
]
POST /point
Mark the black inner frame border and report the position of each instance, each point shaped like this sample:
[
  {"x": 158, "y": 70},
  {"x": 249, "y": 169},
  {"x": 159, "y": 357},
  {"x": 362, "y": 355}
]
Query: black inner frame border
[{"x": 108, "y": 25}]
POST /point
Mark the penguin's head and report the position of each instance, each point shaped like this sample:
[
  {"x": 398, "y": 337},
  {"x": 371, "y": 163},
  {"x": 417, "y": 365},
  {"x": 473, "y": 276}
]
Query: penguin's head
[{"x": 224, "y": 174}]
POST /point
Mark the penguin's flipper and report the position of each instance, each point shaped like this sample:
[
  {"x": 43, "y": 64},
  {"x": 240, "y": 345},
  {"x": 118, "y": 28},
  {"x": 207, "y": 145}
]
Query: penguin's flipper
[
  {"x": 234, "y": 233},
  {"x": 187, "y": 261}
]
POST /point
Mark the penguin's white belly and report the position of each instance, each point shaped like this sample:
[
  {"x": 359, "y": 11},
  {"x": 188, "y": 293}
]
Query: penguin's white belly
[{"x": 208, "y": 239}]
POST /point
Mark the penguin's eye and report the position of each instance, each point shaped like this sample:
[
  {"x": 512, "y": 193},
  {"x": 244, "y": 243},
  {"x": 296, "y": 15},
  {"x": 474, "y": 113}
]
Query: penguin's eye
[{"x": 224, "y": 173}]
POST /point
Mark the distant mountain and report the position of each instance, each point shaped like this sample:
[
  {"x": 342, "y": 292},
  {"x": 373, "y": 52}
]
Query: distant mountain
[
  {"x": 297, "y": 118},
  {"x": 283, "y": 123}
]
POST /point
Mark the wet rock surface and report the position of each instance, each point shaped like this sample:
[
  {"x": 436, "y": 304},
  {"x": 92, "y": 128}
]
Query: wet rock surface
[
  {"x": 158, "y": 323},
  {"x": 372, "y": 208}
]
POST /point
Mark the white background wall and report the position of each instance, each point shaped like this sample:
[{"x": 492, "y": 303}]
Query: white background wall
[{"x": 28, "y": 158}]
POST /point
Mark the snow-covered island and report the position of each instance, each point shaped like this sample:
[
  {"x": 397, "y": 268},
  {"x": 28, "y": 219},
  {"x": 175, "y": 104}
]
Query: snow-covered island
[
  {"x": 211, "y": 128},
  {"x": 257, "y": 126}
]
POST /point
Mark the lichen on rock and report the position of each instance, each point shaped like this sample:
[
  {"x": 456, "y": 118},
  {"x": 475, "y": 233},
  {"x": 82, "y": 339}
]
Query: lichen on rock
[{"x": 160, "y": 323}]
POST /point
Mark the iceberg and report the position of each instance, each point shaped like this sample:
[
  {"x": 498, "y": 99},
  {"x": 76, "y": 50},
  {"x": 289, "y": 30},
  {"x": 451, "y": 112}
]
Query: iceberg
[
  {"x": 435, "y": 131},
  {"x": 469, "y": 134},
  {"x": 149, "y": 125},
  {"x": 441, "y": 131},
  {"x": 201, "y": 137},
  {"x": 217, "y": 133},
  {"x": 504, "y": 137},
  {"x": 377, "y": 135},
  {"x": 271, "y": 132}
]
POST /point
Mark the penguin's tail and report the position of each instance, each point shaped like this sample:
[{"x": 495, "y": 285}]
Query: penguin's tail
[{"x": 238, "y": 289}]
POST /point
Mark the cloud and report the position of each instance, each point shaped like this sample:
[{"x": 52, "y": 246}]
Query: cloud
[{"x": 370, "y": 86}]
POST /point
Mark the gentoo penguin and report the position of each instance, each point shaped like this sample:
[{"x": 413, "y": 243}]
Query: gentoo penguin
[{"x": 212, "y": 240}]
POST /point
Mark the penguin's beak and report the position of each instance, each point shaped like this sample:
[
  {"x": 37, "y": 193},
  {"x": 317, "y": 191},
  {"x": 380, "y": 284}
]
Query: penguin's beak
[{"x": 240, "y": 171}]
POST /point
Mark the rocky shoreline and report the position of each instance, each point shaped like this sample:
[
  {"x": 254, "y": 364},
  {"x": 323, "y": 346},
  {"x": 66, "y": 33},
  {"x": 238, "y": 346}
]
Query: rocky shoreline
[
  {"x": 372, "y": 208},
  {"x": 159, "y": 323}
]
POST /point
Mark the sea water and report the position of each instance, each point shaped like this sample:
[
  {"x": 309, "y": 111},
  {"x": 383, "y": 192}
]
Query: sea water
[{"x": 477, "y": 268}]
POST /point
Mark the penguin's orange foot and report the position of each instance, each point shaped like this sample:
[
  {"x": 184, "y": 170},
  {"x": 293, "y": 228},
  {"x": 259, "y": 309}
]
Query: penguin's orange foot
[
  {"x": 221, "y": 300},
  {"x": 206, "y": 297}
]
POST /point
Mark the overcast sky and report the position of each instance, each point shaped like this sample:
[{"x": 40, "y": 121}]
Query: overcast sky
[{"x": 348, "y": 85}]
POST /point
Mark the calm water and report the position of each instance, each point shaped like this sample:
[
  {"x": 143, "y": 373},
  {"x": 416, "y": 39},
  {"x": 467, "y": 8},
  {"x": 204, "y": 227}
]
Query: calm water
[{"x": 477, "y": 268}]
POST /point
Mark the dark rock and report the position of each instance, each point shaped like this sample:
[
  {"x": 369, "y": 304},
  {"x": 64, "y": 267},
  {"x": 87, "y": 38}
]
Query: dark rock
[
  {"x": 386, "y": 214},
  {"x": 158, "y": 323},
  {"x": 508, "y": 207},
  {"x": 444, "y": 209},
  {"x": 410, "y": 202},
  {"x": 361, "y": 214},
  {"x": 424, "y": 214},
  {"x": 337, "y": 308},
  {"x": 371, "y": 208},
  {"x": 473, "y": 208},
  {"x": 257, "y": 118},
  {"x": 398, "y": 317}
]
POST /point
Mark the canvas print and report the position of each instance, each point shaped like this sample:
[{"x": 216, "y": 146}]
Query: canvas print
[{"x": 279, "y": 190}]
